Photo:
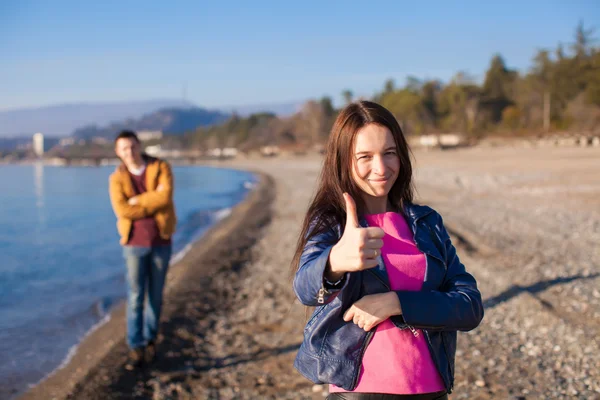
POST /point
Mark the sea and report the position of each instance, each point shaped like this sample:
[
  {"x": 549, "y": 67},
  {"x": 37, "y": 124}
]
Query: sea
[{"x": 61, "y": 265}]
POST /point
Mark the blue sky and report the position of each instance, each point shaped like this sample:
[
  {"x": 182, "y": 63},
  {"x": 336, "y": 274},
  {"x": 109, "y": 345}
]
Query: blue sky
[{"x": 254, "y": 52}]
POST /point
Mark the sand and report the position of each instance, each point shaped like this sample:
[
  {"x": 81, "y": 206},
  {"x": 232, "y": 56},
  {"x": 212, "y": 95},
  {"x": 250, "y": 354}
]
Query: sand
[{"x": 526, "y": 223}]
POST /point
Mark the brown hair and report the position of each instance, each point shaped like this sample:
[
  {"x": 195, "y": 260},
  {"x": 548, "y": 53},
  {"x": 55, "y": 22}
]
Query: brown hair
[
  {"x": 126, "y": 134},
  {"x": 327, "y": 210}
]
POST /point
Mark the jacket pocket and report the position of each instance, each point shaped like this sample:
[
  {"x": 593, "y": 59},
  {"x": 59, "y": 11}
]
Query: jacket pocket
[
  {"x": 314, "y": 317},
  {"x": 165, "y": 220}
]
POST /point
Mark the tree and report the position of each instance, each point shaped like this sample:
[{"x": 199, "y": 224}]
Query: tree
[
  {"x": 543, "y": 76},
  {"x": 592, "y": 90},
  {"x": 497, "y": 88},
  {"x": 347, "y": 95},
  {"x": 407, "y": 107},
  {"x": 389, "y": 86},
  {"x": 430, "y": 93},
  {"x": 327, "y": 105},
  {"x": 459, "y": 104},
  {"x": 583, "y": 40},
  {"x": 413, "y": 83}
]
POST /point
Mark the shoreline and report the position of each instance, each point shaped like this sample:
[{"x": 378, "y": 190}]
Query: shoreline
[
  {"x": 27, "y": 367},
  {"x": 103, "y": 337},
  {"x": 175, "y": 259},
  {"x": 233, "y": 325}
]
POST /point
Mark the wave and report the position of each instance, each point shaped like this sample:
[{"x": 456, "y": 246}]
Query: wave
[{"x": 193, "y": 228}]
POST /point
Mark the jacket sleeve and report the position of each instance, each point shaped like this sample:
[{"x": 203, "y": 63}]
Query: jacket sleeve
[
  {"x": 154, "y": 200},
  {"x": 309, "y": 281},
  {"x": 118, "y": 200},
  {"x": 456, "y": 306}
]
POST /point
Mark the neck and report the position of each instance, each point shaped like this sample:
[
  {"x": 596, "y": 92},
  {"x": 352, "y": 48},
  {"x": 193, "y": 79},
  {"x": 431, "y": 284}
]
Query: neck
[
  {"x": 136, "y": 164},
  {"x": 376, "y": 205}
]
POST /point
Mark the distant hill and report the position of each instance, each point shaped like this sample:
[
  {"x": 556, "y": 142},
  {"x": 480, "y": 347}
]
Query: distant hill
[
  {"x": 168, "y": 120},
  {"x": 10, "y": 144},
  {"x": 279, "y": 109},
  {"x": 62, "y": 120}
]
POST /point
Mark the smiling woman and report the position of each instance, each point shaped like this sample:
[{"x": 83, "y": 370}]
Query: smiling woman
[
  {"x": 377, "y": 165},
  {"x": 389, "y": 289}
]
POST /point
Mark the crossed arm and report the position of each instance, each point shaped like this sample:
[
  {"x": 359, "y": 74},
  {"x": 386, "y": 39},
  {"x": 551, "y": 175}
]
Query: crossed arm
[
  {"x": 144, "y": 204},
  {"x": 456, "y": 305},
  {"x": 120, "y": 204},
  {"x": 154, "y": 200}
]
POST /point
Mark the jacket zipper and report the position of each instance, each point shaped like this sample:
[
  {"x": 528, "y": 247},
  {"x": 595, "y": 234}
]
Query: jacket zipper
[
  {"x": 449, "y": 385},
  {"x": 362, "y": 353},
  {"x": 448, "y": 359},
  {"x": 321, "y": 296},
  {"x": 370, "y": 335},
  {"x": 412, "y": 329}
]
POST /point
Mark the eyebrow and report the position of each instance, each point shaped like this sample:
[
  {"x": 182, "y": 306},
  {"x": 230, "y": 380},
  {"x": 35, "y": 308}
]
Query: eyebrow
[{"x": 369, "y": 152}]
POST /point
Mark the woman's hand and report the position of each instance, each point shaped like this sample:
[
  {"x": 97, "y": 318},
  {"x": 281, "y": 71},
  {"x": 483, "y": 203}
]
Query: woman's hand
[
  {"x": 358, "y": 248},
  {"x": 373, "y": 309}
]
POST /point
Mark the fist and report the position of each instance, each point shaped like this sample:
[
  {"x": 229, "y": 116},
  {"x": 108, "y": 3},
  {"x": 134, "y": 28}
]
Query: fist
[{"x": 358, "y": 248}]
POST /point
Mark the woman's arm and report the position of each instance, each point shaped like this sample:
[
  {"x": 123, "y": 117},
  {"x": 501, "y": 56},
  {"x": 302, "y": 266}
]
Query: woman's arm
[
  {"x": 357, "y": 249},
  {"x": 309, "y": 281},
  {"x": 456, "y": 306}
]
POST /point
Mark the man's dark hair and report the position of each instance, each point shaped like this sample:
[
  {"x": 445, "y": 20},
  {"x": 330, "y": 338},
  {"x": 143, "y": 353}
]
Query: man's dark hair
[{"x": 126, "y": 134}]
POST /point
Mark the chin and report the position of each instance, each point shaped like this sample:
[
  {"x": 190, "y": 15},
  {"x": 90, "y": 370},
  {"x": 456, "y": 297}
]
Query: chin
[{"x": 379, "y": 193}]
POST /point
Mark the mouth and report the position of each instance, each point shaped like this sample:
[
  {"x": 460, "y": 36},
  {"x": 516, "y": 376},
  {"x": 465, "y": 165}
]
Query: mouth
[{"x": 379, "y": 180}]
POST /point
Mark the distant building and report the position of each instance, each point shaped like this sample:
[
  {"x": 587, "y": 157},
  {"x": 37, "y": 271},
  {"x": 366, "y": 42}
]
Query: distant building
[
  {"x": 67, "y": 141},
  {"x": 38, "y": 144},
  {"x": 149, "y": 135},
  {"x": 154, "y": 151},
  {"x": 100, "y": 140}
]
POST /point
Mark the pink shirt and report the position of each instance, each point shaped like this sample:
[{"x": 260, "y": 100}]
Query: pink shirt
[{"x": 397, "y": 362}]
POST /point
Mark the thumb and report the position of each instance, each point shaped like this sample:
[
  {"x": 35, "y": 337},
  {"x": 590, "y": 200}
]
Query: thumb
[
  {"x": 349, "y": 314},
  {"x": 351, "y": 216}
]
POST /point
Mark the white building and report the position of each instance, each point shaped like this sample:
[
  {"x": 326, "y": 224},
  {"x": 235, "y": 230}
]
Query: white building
[
  {"x": 67, "y": 141},
  {"x": 154, "y": 151},
  {"x": 149, "y": 135},
  {"x": 38, "y": 144}
]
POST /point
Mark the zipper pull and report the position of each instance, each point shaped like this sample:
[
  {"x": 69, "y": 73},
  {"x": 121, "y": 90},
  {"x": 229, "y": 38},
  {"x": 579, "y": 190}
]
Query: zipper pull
[
  {"x": 321, "y": 297},
  {"x": 414, "y": 331}
]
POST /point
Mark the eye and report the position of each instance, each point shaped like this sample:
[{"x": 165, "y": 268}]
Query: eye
[
  {"x": 391, "y": 152},
  {"x": 364, "y": 157}
]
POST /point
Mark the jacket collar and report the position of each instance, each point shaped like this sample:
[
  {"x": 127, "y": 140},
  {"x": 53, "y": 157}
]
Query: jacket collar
[
  {"x": 147, "y": 159},
  {"x": 412, "y": 212}
]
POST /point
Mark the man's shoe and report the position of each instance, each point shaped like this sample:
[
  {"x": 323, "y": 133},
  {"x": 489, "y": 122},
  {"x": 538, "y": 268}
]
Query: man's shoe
[
  {"x": 135, "y": 359},
  {"x": 150, "y": 351}
]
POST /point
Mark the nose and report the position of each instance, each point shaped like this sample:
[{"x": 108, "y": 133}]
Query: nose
[{"x": 378, "y": 165}]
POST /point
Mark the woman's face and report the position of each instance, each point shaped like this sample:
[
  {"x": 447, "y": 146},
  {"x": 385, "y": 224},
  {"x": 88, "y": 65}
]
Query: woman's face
[{"x": 375, "y": 160}]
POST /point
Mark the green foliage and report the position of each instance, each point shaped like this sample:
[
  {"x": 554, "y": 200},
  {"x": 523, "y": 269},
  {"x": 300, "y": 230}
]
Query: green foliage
[
  {"x": 511, "y": 117},
  {"x": 560, "y": 91}
]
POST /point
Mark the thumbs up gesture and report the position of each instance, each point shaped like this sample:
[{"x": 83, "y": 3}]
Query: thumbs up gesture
[{"x": 358, "y": 248}]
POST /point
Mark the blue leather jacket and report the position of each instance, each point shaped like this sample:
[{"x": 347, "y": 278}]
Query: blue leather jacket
[{"x": 449, "y": 301}]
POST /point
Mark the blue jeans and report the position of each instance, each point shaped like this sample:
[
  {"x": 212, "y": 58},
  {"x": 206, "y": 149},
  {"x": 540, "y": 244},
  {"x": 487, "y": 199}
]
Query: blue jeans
[{"x": 146, "y": 272}]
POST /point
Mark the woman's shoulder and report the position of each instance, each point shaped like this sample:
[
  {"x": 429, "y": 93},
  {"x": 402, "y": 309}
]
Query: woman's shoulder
[
  {"x": 418, "y": 211},
  {"x": 429, "y": 216},
  {"x": 323, "y": 228}
]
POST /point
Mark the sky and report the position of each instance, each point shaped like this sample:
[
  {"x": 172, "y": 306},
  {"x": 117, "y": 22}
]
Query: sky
[{"x": 224, "y": 53}]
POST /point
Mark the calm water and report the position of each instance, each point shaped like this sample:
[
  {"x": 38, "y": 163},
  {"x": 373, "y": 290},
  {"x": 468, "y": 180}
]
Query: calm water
[{"x": 61, "y": 267}]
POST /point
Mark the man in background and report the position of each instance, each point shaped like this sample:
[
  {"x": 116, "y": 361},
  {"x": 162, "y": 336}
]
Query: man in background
[{"x": 141, "y": 194}]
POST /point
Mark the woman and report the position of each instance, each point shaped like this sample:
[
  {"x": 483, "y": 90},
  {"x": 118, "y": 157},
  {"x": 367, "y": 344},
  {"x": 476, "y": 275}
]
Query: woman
[{"x": 389, "y": 290}]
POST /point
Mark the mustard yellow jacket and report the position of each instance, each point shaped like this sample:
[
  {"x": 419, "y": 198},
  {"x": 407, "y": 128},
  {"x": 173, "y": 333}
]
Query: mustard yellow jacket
[{"x": 153, "y": 203}]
